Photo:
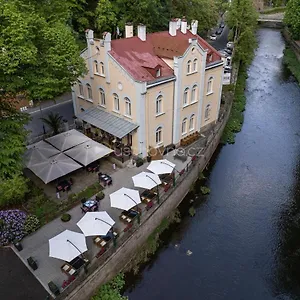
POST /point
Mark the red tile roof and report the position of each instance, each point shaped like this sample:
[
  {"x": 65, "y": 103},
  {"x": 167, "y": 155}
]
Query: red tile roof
[{"x": 139, "y": 57}]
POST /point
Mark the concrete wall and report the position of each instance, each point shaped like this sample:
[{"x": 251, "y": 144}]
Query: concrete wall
[{"x": 117, "y": 261}]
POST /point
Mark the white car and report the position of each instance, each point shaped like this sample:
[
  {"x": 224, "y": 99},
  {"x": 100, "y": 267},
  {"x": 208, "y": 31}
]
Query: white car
[
  {"x": 229, "y": 45},
  {"x": 223, "y": 53},
  {"x": 213, "y": 37}
]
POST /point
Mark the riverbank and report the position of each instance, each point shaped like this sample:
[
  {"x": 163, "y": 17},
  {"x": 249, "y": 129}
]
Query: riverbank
[{"x": 292, "y": 63}]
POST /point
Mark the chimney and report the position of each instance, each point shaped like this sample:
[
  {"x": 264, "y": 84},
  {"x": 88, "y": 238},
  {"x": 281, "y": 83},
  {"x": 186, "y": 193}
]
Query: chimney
[
  {"x": 142, "y": 32},
  {"x": 178, "y": 23},
  {"x": 194, "y": 26},
  {"x": 107, "y": 41},
  {"x": 173, "y": 27},
  {"x": 89, "y": 34},
  {"x": 128, "y": 30},
  {"x": 183, "y": 25}
]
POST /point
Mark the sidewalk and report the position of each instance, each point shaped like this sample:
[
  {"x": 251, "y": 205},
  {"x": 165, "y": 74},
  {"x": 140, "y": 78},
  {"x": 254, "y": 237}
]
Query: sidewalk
[{"x": 37, "y": 246}]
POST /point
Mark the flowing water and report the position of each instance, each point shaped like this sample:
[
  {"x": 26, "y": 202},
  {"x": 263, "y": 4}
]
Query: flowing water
[{"x": 245, "y": 237}]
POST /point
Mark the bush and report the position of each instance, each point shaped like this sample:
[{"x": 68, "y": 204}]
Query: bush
[
  {"x": 66, "y": 217},
  {"x": 100, "y": 196},
  {"x": 32, "y": 224},
  {"x": 291, "y": 61},
  {"x": 205, "y": 190},
  {"x": 139, "y": 162},
  {"x": 273, "y": 10}
]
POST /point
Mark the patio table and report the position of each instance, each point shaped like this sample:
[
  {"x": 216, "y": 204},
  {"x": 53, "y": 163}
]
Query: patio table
[
  {"x": 90, "y": 205},
  {"x": 105, "y": 179}
]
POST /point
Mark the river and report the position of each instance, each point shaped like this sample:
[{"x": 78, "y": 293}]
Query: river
[{"x": 244, "y": 238}]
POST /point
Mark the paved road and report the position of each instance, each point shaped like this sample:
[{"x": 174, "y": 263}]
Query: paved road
[
  {"x": 65, "y": 109},
  {"x": 222, "y": 40},
  {"x": 16, "y": 281}
]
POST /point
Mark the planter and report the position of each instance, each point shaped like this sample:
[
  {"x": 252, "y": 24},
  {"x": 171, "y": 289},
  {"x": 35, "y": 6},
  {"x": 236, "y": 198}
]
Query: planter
[
  {"x": 65, "y": 217},
  {"x": 32, "y": 263},
  {"x": 148, "y": 158},
  {"x": 53, "y": 288},
  {"x": 18, "y": 246},
  {"x": 139, "y": 162},
  {"x": 100, "y": 196}
]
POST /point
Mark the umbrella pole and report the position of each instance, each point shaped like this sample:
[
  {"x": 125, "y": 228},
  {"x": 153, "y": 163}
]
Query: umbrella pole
[
  {"x": 138, "y": 215},
  {"x": 76, "y": 248}
]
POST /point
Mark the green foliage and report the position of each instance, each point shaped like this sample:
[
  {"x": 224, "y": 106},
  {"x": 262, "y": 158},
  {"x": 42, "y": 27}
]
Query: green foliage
[
  {"x": 205, "y": 190},
  {"x": 32, "y": 224},
  {"x": 54, "y": 121},
  {"x": 106, "y": 18},
  {"x": 39, "y": 53},
  {"x": 66, "y": 217},
  {"x": 89, "y": 191},
  {"x": 100, "y": 195},
  {"x": 291, "y": 61},
  {"x": 292, "y": 18},
  {"x": 192, "y": 211},
  {"x": 111, "y": 290},
  {"x": 273, "y": 10},
  {"x": 236, "y": 118}
]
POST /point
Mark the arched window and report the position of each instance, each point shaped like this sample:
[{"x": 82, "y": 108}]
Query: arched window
[
  {"x": 102, "y": 69},
  {"x": 210, "y": 85},
  {"x": 195, "y": 65},
  {"x": 90, "y": 94},
  {"x": 102, "y": 97},
  {"x": 159, "y": 105},
  {"x": 183, "y": 127},
  {"x": 158, "y": 135},
  {"x": 127, "y": 107},
  {"x": 116, "y": 102},
  {"x": 188, "y": 67},
  {"x": 96, "y": 68},
  {"x": 194, "y": 94},
  {"x": 186, "y": 97},
  {"x": 81, "y": 93},
  {"x": 192, "y": 123},
  {"x": 207, "y": 112}
]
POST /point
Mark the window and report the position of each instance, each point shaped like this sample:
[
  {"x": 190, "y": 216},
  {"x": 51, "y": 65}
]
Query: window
[
  {"x": 158, "y": 135},
  {"x": 159, "y": 105},
  {"x": 102, "y": 97},
  {"x": 186, "y": 97},
  {"x": 127, "y": 107},
  {"x": 192, "y": 123},
  {"x": 207, "y": 112},
  {"x": 194, "y": 94},
  {"x": 80, "y": 89},
  {"x": 116, "y": 102},
  {"x": 189, "y": 67},
  {"x": 102, "y": 68},
  {"x": 96, "y": 68},
  {"x": 183, "y": 129},
  {"x": 195, "y": 65},
  {"x": 90, "y": 94},
  {"x": 158, "y": 73},
  {"x": 210, "y": 85}
]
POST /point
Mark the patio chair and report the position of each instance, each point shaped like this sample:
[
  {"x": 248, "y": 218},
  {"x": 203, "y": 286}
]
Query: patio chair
[
  {"x": 83, "y": 200},
  {"x": 82, "y": 210}
]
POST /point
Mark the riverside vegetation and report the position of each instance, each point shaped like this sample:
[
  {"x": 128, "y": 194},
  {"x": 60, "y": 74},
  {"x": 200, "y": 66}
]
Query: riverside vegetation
[{"x": 291, "y": 61}]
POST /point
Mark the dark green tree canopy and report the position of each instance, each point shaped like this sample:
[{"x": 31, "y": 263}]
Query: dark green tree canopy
[{"x": 292, "y": 18}]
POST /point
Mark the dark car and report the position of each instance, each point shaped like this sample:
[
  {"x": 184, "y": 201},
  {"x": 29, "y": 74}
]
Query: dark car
[
  {"x": 219, "y": 31},
  {"x": 222, "y": 25},
  {"x": 229, "y": 51}
]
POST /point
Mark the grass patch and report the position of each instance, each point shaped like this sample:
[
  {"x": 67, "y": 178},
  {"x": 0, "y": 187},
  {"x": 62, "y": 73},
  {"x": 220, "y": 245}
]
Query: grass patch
[
  {"x": 236, "y": 119},
  {"x": 274, "y": 10},
  {"x": 205, "y": 190},
  {"x": 291, "y": 61}
]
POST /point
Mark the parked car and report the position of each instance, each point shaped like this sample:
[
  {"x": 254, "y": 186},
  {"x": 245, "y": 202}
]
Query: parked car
[
  {"x": 219, "y": 31},
  {"x": 222, "y": 25},
  {"x": 227, "y": 69},
  {"x": 213, "y": 37},
  {"x": 229, "y": 45},
  {"x": 229, "y": 51},
  {"x": 228, "y": 60},
  {"x": 223, "y": 53}
]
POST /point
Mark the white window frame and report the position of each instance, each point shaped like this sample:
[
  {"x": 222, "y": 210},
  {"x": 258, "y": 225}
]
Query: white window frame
[
  {"x": 207, "y": 112},
  {"x": 102, "y": 101},
  {"x": 185, "y": 101},
  {"x": 159, "y": 105},
  {"x": 102, "y": 70},
  {"x": 116, "y": 102},
  {"x": 96, "y": 67},
  {"x": 194, "y": 94},
  {"x": 127, "y": 107},
  {"x": 209, "y": 87},
  {"x": 195, "y": 65},
  {"x": 81, "y": 90},
  {"x": 189, "y": 67},
  {"x": 192, "y": 122},
  {"x": 159, "y": 135},
  {"x": 184, "y": 126},
  {"x": 89, "y": 92}
]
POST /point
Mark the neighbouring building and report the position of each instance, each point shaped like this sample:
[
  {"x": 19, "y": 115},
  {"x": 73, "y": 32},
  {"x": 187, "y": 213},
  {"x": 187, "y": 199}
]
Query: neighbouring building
[{"x": 149, "y": 91}]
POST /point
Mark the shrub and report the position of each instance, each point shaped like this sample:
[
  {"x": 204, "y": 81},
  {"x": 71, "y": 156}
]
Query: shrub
[
  {"x": 32, "y": 224},
  {"x": 139, "y": 162},
  {"x": 205, "y": 190},
  {"x": 291, "y": 61},
  {"x": 66, "y": 217},
  {"x": 100, "y": 195}
]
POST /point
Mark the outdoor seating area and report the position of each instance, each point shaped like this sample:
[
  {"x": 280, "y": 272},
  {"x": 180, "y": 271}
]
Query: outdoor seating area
[{"x": 89, "y": 205}]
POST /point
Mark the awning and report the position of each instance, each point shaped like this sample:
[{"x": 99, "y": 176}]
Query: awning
[{"x": 108, "y": 122}]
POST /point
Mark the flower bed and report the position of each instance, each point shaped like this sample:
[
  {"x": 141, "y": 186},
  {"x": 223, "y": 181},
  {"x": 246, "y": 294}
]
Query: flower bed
[{"x": 12, "y": 226}]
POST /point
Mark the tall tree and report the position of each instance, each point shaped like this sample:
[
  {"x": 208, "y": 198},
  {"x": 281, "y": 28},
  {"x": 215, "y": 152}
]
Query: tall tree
[
  {"x": 292, "y": 18},
  {"x": 39, "y": 53}
]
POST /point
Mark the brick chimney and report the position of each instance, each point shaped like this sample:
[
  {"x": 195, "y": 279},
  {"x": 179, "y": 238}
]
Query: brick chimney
[
  {"x": 128, "y": 30},
  {"x": 173, "y": 27},
  {"x": 142, "y": 32},
  {"x": 183, "y": 25}
]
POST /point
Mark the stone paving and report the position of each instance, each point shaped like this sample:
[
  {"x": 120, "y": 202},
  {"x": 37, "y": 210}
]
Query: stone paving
[{"x": 37, "y": 246}]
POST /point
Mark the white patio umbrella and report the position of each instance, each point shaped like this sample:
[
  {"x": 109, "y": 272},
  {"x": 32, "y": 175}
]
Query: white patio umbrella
[
  {"x": 68, "y": 139},
  {"x": 67, "y": 245},
  {"x": 38, "y": 152},
  {"x": 162, "y": 166},
  {"x": 95, "y": 223},
  {"x": 54, "y": 167},
  {"x": 146, "y": 180},
  {"x": 88, "y": 152},
  {"x": 125, "y": 198}
]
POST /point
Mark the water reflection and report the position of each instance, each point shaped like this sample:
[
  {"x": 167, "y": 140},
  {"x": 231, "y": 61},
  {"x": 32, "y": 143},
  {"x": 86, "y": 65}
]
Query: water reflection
[{"x": 244, "y": 237}]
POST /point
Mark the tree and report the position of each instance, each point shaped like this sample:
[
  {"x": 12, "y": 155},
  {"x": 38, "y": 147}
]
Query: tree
[
  {"x": 39, "y": 52},
  {"x": 54, "y": 121},
  {"x": 292, "y": 18}
]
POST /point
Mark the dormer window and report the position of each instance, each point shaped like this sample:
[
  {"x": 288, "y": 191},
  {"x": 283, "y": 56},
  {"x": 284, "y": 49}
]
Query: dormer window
[{"x": 158, "y": 72}]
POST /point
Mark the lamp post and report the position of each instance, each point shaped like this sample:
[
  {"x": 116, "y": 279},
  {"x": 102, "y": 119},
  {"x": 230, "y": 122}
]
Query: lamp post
[
  {"x": 156, "y": 187},
  {"x": 138, "y": 213}
]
